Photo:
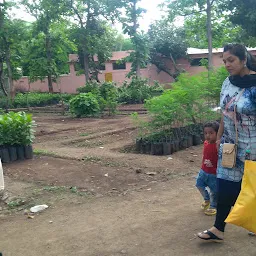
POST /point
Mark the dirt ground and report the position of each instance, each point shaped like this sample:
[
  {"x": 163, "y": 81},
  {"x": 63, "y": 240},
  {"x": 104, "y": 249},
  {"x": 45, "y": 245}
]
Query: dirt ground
[{"x": 105, "y": 200}]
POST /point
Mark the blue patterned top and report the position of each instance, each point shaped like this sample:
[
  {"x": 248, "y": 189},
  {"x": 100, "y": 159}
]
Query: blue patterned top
[{"x": 246, "y": 126}]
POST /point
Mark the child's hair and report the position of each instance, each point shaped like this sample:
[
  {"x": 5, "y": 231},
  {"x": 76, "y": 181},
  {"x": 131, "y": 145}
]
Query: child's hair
[{"x": 214, "y": 125}]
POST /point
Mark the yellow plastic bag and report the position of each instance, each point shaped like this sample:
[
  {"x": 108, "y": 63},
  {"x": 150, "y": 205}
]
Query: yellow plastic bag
[{"x": 244, "y": 212}]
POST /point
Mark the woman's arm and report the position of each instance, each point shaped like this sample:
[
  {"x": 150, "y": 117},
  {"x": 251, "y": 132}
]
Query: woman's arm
[{"x": 220, "y": 132}]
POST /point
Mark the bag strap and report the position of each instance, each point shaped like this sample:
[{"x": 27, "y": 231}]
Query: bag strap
[{"x": 235, "y": 120}]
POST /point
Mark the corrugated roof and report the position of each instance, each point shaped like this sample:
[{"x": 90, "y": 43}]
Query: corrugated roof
[
  {"x": 214, "y": 50},
  {"x": 122, "y": 54}
]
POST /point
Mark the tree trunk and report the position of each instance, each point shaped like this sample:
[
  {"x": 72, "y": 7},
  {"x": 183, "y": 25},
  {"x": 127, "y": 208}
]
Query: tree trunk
[
  {"x": 135, "y": 26},
  {"x": 174, "y": 64},
  {"x": 49, "y": 60},
  {"x": 209, "y": 34},
  {"x": 138, "y": 69},
  {"x": 2, "y": 55},
  {"x": 86, "y": 67},
  {"x": 9, "y": 69},
  {"x": 2, "y": 78}
]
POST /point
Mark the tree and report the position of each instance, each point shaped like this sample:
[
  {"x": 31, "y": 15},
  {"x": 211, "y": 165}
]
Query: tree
[
  {"x": 5, "y": 47},
  {"x": 100, "y": 43},
  {"x": 243, "y": 13},
  {"x": 46, "y": 13},
  {"x": 188, "y": 8},
  {"x": 166, "y": 42},
  {"x": 130, "y": 26},
  {"x": 89, "y": 16},
  {"x": 35, "y": 63},
  {"x": 123, "y": 44},
  {"x": 223, "y": 31}
]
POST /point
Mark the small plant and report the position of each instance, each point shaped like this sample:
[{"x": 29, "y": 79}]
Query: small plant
[
  {"x": 85, "y": 105},
  {"x": 33, "y": 99},
  {"x": 84, "y": 134},
  {"x": 16, "y": 203},
  {"x": 186, "y": 106},
  {"x": 74, "y": 190},
  {"x": 92, "y": 87},
  {"x": 16, "y": 129},
  {"x": 137, "y": 91},
  {"x": 105, "y": 93}
]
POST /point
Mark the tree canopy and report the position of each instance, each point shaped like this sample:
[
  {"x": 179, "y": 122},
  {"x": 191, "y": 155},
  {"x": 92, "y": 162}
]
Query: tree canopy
[{"x": 40, "y": 48}]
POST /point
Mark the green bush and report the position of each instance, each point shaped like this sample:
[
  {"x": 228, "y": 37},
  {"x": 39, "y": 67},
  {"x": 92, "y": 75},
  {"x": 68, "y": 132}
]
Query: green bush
[
  {"x": 108, "y": 92},
  {"x": 137, "y": 91},
  {"x": 105, "y": 93},
  {"x": 16, "y": 129},
  {"x": 188, "y": 102},
  {"x": 92, "y": 87},
  {"x": 85, "y": 105},
  {"x": 33, "y": 99}
]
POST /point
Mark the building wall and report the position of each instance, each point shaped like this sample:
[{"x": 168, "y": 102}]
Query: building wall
[{"x": 69, "y": 83}]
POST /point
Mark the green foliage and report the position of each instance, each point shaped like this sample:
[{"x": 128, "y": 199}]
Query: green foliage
[
  {"x": 49, "y": 38},
  {"x": 169, "y": 42},
  {"x": 223, "y": 31},
  {"x": 91, "y": 31},
  {"x": 123, "y": 44},
  {"x": 243, "y": 14},
  {"x": 35, "y": 99},
  {"x": 18, "y": 34},
  {"x": 106, "y": 94},
  {"x": 189, "y": 101},
  {"x": 91, "y": 86},
  {"x": 35, "y": 61},
  {"x": 16, "y": 129},
  {"x": 84, "y": 105},
  {"x": 137, "y": 91},
  {"x": 140, "y": 55},
  {"x": 231, "y": 21},
  {"x": 215, "y": 80}
]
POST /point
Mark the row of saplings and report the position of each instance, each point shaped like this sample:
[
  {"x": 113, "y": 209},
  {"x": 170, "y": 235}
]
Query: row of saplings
[
  {"x": 16, "y": 136},
  {"x": 167, "y": 142}
]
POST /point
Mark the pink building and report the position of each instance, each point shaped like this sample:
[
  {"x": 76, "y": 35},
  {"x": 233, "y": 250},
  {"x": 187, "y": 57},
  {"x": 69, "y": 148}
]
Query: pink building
[{"x": 69, "y": 83}]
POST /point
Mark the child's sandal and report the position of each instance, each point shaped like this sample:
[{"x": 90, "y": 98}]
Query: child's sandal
[
  {"x": 210, "y": 212},
  {"x": 205, "y": 205}
]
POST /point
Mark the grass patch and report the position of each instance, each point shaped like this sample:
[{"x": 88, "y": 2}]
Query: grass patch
[
  {"x": 43, "y": 152},
  {"x": 55, "y": 188},
  {"x": 16, "y": 203},
  {"x": 60, "y": 189},
  {"x": 90, "y": 144},
  {"x": 93, "y": 159},
  {"x": 84, "y": 134}
]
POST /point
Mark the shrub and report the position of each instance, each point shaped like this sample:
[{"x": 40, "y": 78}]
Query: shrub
[
  {"x": 137, "y": 91},
  {"x": 92, "y": 87},
  {"x": 85, "y": 105},
  {"x": 188, "y": 102},
  {"x": 33, "y": 99},
  {"x": 16, "y": 129},
  {"x": 108, "y": 92},
  {"x": 105, "y": 93}
]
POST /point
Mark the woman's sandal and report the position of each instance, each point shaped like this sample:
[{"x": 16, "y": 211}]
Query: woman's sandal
[{"x": 211, "y": 237}]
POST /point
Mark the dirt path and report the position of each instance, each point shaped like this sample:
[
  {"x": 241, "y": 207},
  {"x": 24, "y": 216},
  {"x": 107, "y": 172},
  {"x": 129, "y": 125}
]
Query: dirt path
[
  {"x": 104, "y": 199},
  {"x": 158, "y": 222}
]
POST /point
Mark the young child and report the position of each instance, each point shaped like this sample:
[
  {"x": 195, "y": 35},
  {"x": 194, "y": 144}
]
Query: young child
[{"x": 206, "y": 179}]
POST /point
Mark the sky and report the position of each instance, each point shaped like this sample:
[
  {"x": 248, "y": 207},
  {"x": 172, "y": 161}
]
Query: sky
[{"x": 153, "y": 13}]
